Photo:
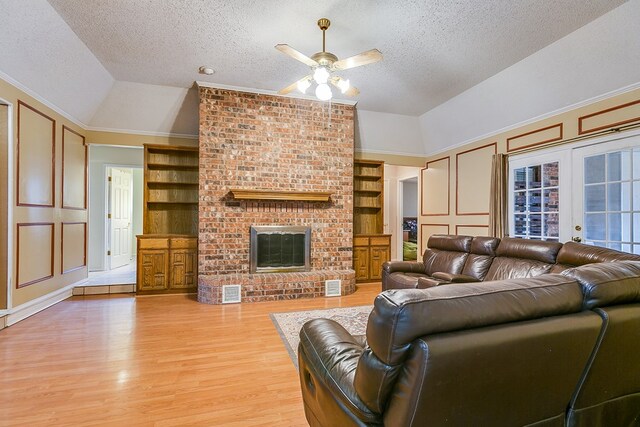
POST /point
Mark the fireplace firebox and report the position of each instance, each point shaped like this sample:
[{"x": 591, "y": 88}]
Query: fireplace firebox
[{"x": 278, "y": 248}]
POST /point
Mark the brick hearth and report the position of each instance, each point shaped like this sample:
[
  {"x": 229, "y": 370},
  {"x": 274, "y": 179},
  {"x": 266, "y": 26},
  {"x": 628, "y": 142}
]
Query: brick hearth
[{"x": 252, "y": 141}]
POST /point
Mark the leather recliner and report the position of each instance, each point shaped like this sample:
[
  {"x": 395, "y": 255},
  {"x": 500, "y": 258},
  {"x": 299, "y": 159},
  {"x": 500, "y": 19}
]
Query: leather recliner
[{"x": 552, "y": 350}]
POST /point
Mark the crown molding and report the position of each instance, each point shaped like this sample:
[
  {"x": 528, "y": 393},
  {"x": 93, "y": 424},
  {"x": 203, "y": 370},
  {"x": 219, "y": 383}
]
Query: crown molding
[
  {"x": 143, "y": 132},
  {"x": 272, "y": 93},
  {"x": 556, "y": 112},
  {"x": 390, "y": 153},
  {"x": 41, "y": 100}
]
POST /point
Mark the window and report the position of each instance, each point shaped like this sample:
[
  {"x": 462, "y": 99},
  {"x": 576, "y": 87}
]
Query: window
[{"x": 536, "y": 202}]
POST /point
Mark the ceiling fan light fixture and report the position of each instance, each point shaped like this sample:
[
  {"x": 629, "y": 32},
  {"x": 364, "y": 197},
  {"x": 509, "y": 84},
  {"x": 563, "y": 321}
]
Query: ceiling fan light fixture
[
  {"x": 344, "y": 85},
  {"x": 323, "y": 92},
  {"x": 303, "y": 85},
  {"x": 321, "y": 75}
]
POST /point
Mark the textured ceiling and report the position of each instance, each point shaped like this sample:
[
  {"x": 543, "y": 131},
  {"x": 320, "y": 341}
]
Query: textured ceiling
[{"x": 433, "y": 50}]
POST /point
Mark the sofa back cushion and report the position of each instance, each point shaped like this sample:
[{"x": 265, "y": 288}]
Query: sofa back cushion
[
  {"x": 519, "y": 258},
  {"x": 446, "y": 253},
  {"x": 401, "y": 316},
  {"x": 608, "y": 283},
  {"x": 576, "y": 254},
  {"x": 482, "y": 251}
]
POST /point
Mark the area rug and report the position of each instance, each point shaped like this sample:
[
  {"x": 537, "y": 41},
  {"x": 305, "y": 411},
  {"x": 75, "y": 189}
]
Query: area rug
[{"x": 353, "y": 319}]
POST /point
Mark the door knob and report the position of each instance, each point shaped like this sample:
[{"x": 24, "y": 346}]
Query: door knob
[{"x": 577, "y": 239}]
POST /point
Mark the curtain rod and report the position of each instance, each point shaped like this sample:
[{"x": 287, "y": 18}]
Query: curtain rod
[{"x": 576, "y": 138}]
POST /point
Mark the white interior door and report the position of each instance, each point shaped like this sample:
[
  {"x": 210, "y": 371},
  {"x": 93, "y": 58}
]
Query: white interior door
[
  {"x": 606, "y": 191},
  {"x": 121, "y": 211}
]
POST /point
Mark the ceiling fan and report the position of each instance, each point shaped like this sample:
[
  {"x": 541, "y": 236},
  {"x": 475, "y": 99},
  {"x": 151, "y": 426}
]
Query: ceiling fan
[{"x": 324, "y": 65}]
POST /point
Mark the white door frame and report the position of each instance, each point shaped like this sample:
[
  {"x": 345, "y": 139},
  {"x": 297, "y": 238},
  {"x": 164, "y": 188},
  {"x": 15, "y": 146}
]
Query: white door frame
[
  {"x": 107, "y": 194},
  {"x": 10, "y": 203}
]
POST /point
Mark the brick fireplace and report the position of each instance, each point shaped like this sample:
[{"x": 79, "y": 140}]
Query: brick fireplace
[{"x": 263, "y": 142}]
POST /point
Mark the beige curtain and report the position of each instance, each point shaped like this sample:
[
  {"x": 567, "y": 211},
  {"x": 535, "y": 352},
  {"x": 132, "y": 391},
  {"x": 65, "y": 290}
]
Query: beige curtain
[{"x": 498, "y": 203}]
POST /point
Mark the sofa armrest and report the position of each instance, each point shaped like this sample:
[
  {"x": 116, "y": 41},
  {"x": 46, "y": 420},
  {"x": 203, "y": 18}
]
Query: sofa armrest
[
  {"x": 403, "y": 267},
  {"x": 454, "y": 278},
  {"x": 328, "y": 356}
]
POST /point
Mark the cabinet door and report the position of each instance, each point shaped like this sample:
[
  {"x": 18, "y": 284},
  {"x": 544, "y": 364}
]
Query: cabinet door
[
  {"x": 154, "y": 268},
  {"x": 361, "y": 263},
  {"x": 379, "y": 255},
  {"x": 183, "y": 269}
]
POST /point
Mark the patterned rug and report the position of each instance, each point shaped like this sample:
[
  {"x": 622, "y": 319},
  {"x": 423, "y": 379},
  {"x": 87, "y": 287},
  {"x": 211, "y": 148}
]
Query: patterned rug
[{"x": 353, "y": 319}]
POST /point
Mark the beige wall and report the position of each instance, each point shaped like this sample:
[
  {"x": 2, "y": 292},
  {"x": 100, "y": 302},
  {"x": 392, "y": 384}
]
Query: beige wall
[
  {"x": 134, "y": 140},
  {"x": 4, "y": 187},
  {"x": 37, "y": 261},
  {"x": 391, "y": 159},
  {"x": 456, "y": 183}
]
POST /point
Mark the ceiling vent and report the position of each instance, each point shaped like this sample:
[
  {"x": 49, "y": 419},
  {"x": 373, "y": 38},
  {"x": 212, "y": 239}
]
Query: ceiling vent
[
  {"x": 332, "y": 288},
  {"x": 230, "y": 294}
]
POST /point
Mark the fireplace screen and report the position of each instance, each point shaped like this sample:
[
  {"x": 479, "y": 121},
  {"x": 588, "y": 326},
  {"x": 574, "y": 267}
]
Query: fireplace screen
[{"x": 276, "y": 248}]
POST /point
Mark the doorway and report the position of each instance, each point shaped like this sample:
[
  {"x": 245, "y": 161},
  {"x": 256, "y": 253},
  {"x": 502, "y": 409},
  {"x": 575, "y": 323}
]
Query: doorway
[
  {"x": 115, "y": 212},
  {"x": 409, "y": 218}
]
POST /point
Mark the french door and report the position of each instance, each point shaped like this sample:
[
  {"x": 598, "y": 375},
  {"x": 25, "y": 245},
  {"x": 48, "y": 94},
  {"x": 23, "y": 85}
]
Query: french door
[
  {"x": 588, "y": 194},
  {"x": 606, "y": 194}
]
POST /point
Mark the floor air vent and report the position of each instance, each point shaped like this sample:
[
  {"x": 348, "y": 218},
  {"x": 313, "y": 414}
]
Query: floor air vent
[
  {"x": 230, "y": 294},
  {"x": 332, "y": 288}
]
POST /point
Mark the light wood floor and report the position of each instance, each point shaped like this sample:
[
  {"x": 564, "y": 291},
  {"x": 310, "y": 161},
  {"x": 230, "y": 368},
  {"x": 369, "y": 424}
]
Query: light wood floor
[{"x": 163, "y": 361}]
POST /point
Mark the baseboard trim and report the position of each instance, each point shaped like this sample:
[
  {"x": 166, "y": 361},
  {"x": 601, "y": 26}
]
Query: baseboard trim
[{"x": 30, "y": 308}]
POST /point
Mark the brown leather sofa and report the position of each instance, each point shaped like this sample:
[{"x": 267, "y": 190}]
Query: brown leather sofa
[
  {"x": 551, "y": 350},
  {"x": 465, "y": 259}
]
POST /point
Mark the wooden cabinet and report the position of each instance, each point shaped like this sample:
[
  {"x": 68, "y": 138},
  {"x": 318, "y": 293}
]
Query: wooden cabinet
[
  {"x": 168, "y": 249},
  {"x": 167, "y": 264},
  {"x": 369, "y": 253},
  {"x": 371, "y": 248}
]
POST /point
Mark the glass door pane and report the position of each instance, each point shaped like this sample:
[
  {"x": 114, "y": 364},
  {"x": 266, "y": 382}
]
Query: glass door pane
[{"x": 607, "y": 193}]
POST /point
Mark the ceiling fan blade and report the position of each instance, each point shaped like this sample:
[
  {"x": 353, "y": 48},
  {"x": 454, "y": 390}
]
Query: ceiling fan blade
[
  {"x": 293, "y": 86},
  {"x": 352, "y": 91},
  {"x": 364, "y": 58},
  {"x": 288, "y": 50}
]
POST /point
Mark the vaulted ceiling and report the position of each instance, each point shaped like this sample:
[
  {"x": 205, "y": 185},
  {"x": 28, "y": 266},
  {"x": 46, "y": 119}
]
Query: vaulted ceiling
[
  {"x": 433, "y": 50},
  {"x": 130, "y": 65}
]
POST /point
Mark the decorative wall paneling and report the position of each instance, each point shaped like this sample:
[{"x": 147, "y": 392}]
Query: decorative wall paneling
[
  {"x": 473, "y": 171},
  {"x": 34, "y": 258},
  {"x": 35, "y": 173},
  {"x": 426, "y": 230},
  {"x": 73, "y": 235},
  {"x": 610, "y": 117},
  {"x": 472, "y": 230},
  {"x": 74, "y": 166},
  {"x": 540, "y": 136},
  {"x": 435, "y": 196}
]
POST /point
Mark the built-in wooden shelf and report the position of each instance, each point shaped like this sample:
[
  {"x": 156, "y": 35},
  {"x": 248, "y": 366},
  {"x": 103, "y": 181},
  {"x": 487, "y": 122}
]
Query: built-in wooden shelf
[{"x": 299, "y": 196}]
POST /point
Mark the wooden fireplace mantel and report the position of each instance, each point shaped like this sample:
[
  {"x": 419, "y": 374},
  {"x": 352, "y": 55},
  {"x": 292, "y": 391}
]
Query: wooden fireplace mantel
[{"x": 300, "y": 196}]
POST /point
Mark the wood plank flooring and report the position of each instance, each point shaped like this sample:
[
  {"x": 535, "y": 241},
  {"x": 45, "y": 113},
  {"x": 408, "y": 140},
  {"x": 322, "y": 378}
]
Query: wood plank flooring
[{"x": 111, "y": 360}]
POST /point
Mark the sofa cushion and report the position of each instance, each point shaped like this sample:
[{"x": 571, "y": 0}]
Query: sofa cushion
[
  {"x": 477, "y": 264},
  {"x": 400, "y": 316},
  {"x": 400, "y": 280},
  {"x": 608, "y": 283},
  {"x": 519, "y": 258},
  {"x": 446, "y": 253},
  {"x": 576, "y": 254},
  {"x": 536, "y": 250}
]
